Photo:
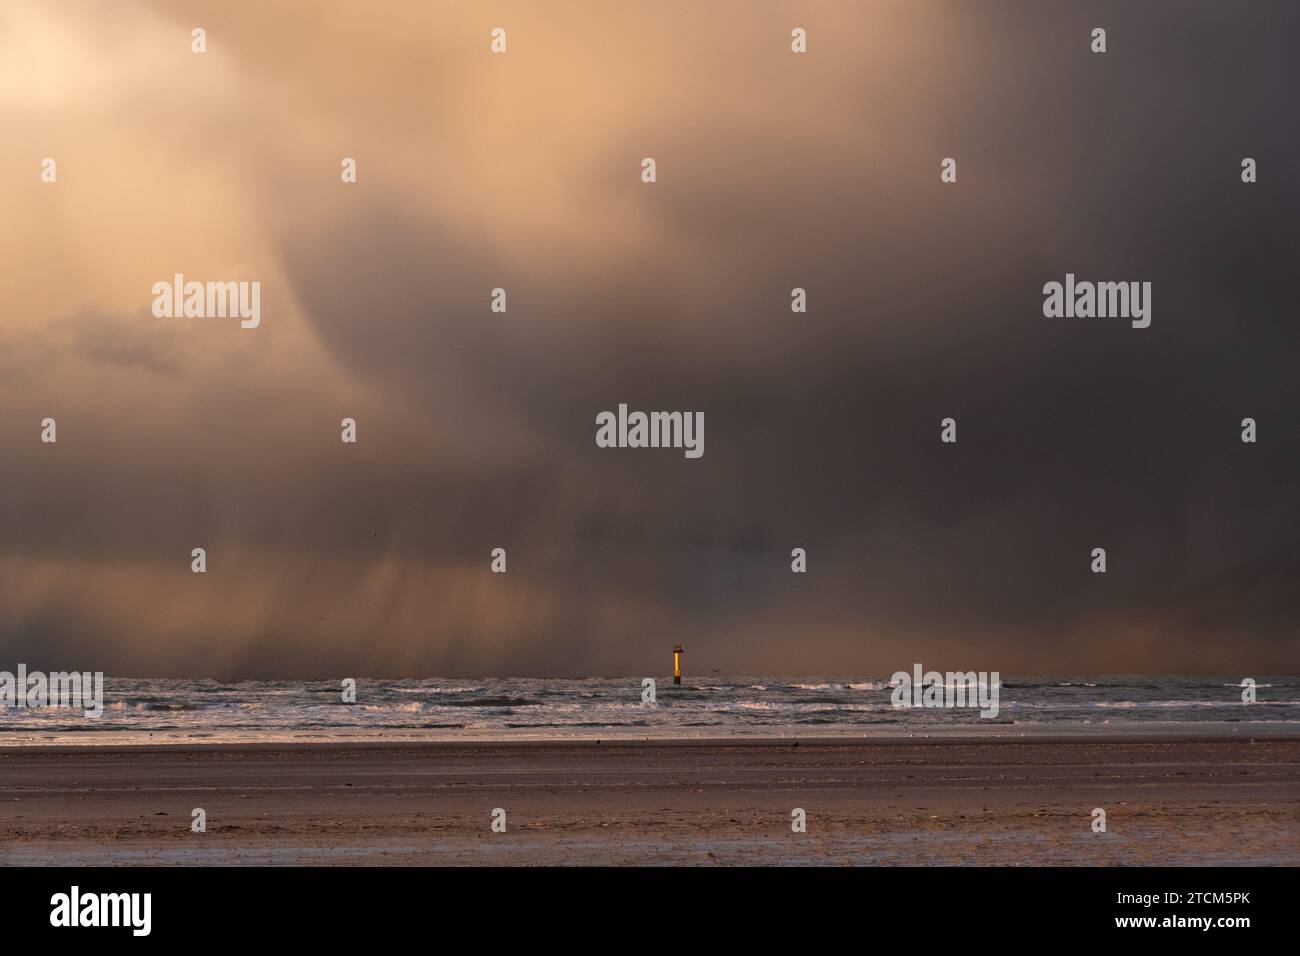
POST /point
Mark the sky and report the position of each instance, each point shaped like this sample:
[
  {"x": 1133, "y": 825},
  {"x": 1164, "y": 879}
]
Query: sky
[{"x": 476, "y": 429}]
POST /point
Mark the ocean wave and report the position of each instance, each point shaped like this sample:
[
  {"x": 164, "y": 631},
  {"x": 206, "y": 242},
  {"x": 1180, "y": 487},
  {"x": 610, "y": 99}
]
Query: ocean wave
[{"x": 753, "y": 701}]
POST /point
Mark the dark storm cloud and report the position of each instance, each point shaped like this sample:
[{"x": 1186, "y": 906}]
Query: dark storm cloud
[{"x": 822, "y": 430}]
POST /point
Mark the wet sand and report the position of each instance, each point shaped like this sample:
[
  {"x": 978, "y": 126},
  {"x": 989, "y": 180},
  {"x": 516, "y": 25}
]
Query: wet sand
[{"x": 873, "y": 802}]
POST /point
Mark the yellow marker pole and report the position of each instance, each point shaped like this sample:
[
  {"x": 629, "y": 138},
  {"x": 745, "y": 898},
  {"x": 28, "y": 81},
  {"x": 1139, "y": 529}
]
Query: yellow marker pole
[{"x": 677, "y": 663}]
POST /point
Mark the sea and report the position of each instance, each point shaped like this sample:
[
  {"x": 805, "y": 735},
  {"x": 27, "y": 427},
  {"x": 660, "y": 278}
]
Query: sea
[{"x": 448, "y": 709}]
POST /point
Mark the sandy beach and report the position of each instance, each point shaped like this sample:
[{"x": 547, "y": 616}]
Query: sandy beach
[{"x": 1178, "y": 800}]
